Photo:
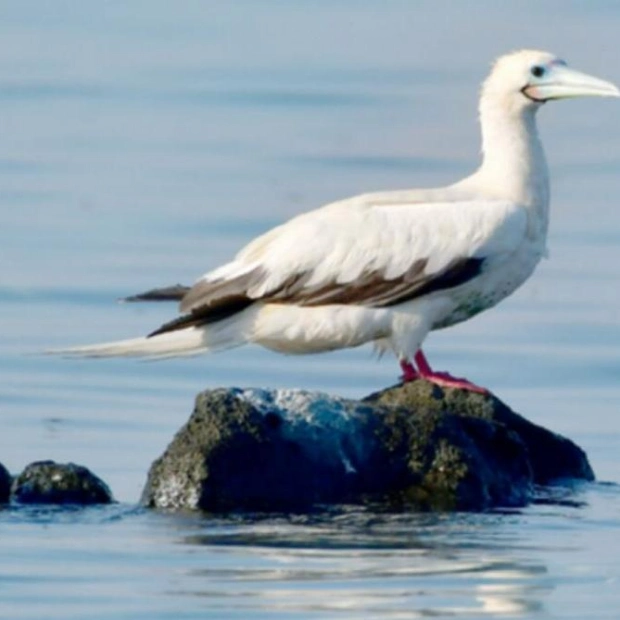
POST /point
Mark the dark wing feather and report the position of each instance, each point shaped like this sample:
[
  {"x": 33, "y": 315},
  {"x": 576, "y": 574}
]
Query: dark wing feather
[
  {"x": 213, "y": 293},
  {"x": 458, "y": 272},
  {"x": 212, "y": 301},
  {"x": 374, "y": 290},
  {"x": 168, "y": 293},
  {"x": 227, "y": 308}
]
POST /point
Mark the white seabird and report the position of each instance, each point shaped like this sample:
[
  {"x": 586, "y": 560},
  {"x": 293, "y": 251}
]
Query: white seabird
[{"x": 389, "y": 267}]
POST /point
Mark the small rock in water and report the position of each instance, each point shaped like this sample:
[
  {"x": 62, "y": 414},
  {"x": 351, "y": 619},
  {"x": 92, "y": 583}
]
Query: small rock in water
[
  {"x": 415, "y": 446},
  {"x": 5, "y": 484},
  {"x": 47, "y": 482}
]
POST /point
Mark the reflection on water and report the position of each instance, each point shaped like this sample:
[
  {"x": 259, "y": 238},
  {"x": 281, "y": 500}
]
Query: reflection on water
[
  {"x": 348, "y": 562},
  {"x": 396, "y": 566}
]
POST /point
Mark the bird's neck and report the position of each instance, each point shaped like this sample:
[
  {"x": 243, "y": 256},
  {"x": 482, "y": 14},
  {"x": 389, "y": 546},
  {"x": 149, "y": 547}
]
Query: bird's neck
[{"x": 514, "y": 166}]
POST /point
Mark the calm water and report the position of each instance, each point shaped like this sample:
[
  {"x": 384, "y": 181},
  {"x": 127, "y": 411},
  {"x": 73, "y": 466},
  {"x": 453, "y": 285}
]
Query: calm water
[{"x": 141, "y": 144}]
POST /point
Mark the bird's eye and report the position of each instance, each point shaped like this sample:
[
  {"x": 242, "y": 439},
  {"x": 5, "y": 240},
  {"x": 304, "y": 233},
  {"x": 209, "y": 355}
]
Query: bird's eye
[{"x": 537, "y": 71}]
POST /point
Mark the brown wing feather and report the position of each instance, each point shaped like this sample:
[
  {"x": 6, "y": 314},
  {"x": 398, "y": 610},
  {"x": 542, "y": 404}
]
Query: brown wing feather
[
  {"x": 211, "y": 301},
  {"x": 175, "y": 292},
  {"x": 209, "y": 294},
  {"x": 204, "y": 316},
  {"x": 208, "y": 302},
  {"x": 370, "y": 289}
]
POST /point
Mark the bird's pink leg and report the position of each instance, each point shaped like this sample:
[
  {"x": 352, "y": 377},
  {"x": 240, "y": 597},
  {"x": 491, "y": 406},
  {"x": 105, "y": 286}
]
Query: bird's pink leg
[
  {"x": 409, "y": 372},
  {"x": 443, "y": 378}
]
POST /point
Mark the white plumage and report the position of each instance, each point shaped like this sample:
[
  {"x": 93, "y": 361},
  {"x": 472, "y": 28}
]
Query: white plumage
[{"x": 388, "y": 267}]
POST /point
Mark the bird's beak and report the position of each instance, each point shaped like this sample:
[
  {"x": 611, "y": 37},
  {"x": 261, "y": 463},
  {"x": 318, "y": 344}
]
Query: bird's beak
[{"x": 560, "y": 82}]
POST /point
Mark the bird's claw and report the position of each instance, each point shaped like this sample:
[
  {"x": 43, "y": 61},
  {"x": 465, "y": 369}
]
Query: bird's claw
[{"x": 443, "y": 379}]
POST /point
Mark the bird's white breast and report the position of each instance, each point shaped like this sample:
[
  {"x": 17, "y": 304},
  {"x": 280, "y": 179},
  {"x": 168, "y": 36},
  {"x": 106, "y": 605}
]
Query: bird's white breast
[{"x": 498, "y": 280}]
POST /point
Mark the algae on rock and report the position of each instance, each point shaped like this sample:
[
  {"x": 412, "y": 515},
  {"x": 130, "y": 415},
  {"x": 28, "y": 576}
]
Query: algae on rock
[{"x": 412, "y": 446}]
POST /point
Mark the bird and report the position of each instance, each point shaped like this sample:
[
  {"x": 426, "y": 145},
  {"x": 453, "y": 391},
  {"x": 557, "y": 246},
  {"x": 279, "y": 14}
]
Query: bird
[{"x": 388, "y": 267}]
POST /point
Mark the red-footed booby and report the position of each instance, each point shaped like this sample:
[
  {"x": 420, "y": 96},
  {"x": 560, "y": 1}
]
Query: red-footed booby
[{"x": 388, "y": 267}]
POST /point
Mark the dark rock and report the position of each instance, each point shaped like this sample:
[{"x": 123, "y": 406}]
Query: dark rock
[
  {"x": 47, "y": 482},
  {"x": 414, "y": 446},
  {"x": 552, "y": 457},
  {"x": 5, "y": 484}
]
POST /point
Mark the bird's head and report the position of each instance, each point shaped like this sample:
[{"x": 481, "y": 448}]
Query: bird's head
[{"x": 528, "y": 78}]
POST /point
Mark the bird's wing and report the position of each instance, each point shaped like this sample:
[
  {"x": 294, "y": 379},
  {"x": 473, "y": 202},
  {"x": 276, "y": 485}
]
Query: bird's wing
[
  {"x": 365, "y": 254},
  {"x": 176, "y": 292}
]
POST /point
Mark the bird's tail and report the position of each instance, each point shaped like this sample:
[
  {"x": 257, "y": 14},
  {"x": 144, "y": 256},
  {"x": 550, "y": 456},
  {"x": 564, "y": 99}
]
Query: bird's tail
[{"x": 183, "y": 342}]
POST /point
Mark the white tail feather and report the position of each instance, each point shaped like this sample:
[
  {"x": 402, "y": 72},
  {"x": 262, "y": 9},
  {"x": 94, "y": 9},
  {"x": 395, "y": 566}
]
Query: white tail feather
[
  {"x": 183, "y": 342},
  {"x": 174, "y": 343}
]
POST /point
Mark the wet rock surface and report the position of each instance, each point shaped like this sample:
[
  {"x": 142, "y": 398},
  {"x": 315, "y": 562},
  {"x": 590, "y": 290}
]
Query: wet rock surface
[
  {"x": 47, "y": 482},
  {"x": 552, "y": 457},
  {"x": 5, "y": 484},
  {"x": 412, "y": 446}
]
